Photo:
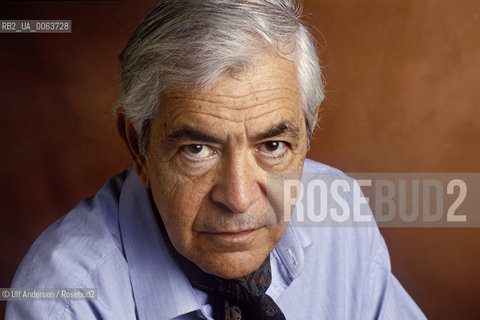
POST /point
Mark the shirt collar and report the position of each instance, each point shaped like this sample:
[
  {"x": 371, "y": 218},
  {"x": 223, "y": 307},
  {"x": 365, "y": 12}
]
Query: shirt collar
[
  {"x": 160, "y": 289},
  {"x": 290, "y": 250}
]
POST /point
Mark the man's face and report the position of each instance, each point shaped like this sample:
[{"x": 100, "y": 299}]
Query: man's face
[{"x": 208, "y": 160}]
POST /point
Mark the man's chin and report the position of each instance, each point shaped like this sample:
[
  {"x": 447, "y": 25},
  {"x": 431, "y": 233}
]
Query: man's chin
[
  {"x": 232, "y": 265},
  {"x": 232, "y": 256}
]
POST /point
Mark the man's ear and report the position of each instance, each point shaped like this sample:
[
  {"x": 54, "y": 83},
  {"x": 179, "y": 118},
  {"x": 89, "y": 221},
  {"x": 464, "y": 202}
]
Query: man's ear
[
  {"x": 317, "y": 115},
  {"x": 129, "y": 135}
]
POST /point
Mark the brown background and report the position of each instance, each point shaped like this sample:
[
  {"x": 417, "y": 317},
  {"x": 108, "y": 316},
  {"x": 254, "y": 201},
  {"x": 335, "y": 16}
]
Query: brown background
[{"x": 402, "y": 95}]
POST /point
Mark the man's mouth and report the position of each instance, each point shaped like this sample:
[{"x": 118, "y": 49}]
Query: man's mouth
[
  {"x": 229, "y": 237},
  {"x": 235, "y": 232}
]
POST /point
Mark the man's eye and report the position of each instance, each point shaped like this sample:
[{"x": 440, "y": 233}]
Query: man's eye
[
  {"x": 273, "y": 149},
  {"x": 198, "y": 151}
]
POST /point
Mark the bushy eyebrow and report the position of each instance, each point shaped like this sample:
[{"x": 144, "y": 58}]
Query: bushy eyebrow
[
  {"x": 285, "y": 128},
  {"x": 187, "y": 132}
]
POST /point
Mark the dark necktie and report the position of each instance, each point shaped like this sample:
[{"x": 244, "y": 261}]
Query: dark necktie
[
  {"x": 236, "y": 299},
  {"x": 245, "y": 298}
]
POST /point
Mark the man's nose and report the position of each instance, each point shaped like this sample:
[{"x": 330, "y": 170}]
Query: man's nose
[{"x": 238, "y": 185}]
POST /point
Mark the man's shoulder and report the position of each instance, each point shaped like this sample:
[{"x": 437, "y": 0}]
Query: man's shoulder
[
  {"x": 73, "y": 247},
  {"x": 83, "y": 249},
  {"x": 346, "y": 258}
]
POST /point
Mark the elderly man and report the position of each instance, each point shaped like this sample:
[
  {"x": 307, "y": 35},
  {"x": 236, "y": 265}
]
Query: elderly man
[{"x": 219, "y": 99}]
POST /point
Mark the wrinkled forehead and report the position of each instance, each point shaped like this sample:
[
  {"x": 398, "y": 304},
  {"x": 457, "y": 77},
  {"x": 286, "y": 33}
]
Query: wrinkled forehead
[
  {"x": 264, "y": 96},
  {"x": 268, "y": 74},
  {"x": 270, "y": 83}
]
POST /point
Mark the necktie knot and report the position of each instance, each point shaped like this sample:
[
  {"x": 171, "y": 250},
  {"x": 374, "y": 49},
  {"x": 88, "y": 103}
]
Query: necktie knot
[{"x": 246, "y": 298}]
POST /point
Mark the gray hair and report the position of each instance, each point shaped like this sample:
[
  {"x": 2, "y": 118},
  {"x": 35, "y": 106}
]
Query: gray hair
[{"x": 191, "y": 43}]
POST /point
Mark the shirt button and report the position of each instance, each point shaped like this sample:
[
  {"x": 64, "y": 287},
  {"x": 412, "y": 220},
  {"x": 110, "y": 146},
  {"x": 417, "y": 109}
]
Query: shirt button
[{"x": 292, "y": 256}]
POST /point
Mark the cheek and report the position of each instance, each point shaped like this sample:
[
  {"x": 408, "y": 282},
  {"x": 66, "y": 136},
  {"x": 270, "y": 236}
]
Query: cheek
[{"x": 178, "y": 200}]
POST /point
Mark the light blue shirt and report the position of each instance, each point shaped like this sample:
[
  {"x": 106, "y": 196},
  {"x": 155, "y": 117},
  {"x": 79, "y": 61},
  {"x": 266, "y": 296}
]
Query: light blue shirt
[{"x": 112, "y": 242}]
